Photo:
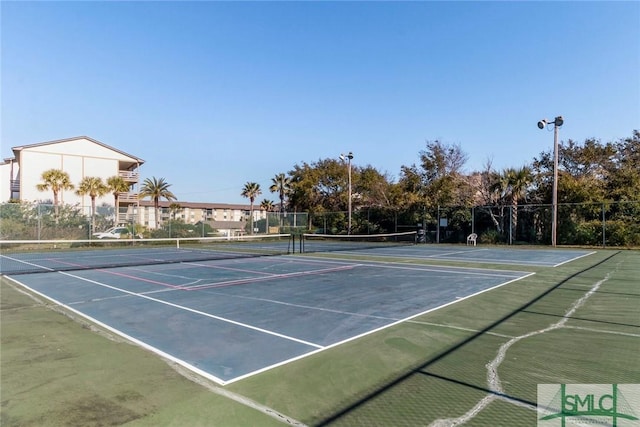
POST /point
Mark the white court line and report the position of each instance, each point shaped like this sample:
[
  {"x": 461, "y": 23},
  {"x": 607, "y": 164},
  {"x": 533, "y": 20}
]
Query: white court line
[
  {"x": 456, "y": 252},
  {"x": 293, "y": 359},
  {"x": 573, "y": 259},
  {"x": 27, "y": 263},
  {"x": 460, "y": 328},
  {"x": 604, "y": 331},
  {"x": 318, "y": 348},
  {"x": 409, "y": 266},
  {"x": 126, "y": 336},
  {"x": 202, "y": 313},
  {"x": 250, "y": 280},
  {"x": 444, "y": 256}
]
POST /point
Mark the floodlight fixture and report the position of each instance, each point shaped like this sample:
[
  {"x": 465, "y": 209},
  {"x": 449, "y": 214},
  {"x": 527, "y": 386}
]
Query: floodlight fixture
[{"x": 557, "y": 122}]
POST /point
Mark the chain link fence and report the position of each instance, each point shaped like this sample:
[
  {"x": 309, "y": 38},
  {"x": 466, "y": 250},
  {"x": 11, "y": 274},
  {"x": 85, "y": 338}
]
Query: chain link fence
[
  {"x": 602, "y": 224},
  {"x": 587, "y": 224}
]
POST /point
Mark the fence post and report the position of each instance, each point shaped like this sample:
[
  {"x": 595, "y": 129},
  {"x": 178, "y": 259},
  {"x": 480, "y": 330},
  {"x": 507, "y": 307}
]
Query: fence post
[
  {"x": 39, "y": 220},
  {"x": 438, "y": 228},
  {"x": 473, "y": 219},
  {"x": 604, "y": 228},
  {"x": 511, "y": 224}
]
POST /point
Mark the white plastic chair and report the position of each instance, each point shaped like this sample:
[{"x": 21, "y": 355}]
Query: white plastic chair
[{"x": 471, "y": 239}]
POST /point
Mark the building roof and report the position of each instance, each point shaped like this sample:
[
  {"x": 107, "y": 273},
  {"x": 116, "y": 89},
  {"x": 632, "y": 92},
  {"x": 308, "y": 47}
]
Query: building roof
[
  {"x": 16, "y": 150},
  {"x": 199, "y": 205}
]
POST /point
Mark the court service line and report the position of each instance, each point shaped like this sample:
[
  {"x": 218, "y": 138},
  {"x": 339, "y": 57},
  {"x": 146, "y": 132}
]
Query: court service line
[
  {"x": 455, "y": 253},
  {"x": 115, "y": 273},
  {"x": 263, "y": 279},
  {"x": 191, "y": 310},
  {"x": 430, "y": 268},
  {"x": 218, "y": 267},
  {"x": 443, "y": 270}
]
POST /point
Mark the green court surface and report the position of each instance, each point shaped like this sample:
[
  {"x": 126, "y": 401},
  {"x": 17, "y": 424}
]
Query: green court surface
[{"x": 476, "y": 361}]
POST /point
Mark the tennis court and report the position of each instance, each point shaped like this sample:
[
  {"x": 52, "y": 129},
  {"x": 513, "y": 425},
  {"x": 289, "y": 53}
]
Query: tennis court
[
  {"x": 227, "y": 319},
  {"x": 403, "y": 247}
]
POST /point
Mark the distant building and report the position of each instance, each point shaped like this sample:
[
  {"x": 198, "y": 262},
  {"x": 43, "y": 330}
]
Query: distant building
[
  {"x": 81, "y": 157},
  {"x": 227, "y": 219}
]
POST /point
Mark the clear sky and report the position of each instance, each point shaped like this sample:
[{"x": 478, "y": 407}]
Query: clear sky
[{"x": 213, "y": 95}]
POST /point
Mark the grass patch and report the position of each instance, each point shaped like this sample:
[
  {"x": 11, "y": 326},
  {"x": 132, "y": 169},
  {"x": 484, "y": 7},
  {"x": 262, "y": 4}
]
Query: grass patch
[{"x": 58, "y": 371}]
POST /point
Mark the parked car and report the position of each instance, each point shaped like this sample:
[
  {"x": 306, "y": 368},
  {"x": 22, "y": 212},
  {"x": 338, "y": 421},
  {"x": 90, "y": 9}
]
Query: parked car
[{"x": 113, "y": 233}]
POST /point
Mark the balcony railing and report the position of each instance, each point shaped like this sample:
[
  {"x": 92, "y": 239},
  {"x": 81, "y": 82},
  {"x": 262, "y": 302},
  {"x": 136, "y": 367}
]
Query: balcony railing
[
  {"x": 130, "y": 176},
  {"x": 127, "y": 197},
  {"x": 15, "y": 185},
  {"x": 126, "y": 218}
]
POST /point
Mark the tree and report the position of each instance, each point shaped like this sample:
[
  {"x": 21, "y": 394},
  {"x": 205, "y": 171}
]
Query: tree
[
  {"x": 93, "y": 187},
  {"x": 117, "y": 185},
  {"x": 57, "y": 181},
  {"x": 174, "y": 208},
  {"x": 281, "y": 184},
  {"x": 512, "y": 185},
  {"x": 266, "y": 205},
  {"x": 251, "y": 190},
  {"x": 156, "y": 189}
]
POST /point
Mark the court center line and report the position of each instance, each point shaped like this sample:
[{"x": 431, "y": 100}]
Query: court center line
[
  {"x": 191, "y": 310},
  {"x": 308, "y": 307}
]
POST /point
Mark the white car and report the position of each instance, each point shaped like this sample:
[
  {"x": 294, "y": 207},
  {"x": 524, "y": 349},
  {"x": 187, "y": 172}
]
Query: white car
[{"x": 112, "y": 233}]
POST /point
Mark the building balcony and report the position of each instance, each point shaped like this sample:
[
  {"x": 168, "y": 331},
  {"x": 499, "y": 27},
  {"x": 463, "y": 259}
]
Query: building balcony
[
  {"x": 127, "y": 197},
  {"x": 15, "y": 185},
  {"x": 129, "y": 176}
]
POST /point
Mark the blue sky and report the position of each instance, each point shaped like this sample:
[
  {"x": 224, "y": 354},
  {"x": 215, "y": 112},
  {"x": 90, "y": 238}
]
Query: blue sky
[{"x": 216, "y": 94}]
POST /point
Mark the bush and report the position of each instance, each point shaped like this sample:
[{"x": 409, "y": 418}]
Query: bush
[{"x": 490, "y": 237}]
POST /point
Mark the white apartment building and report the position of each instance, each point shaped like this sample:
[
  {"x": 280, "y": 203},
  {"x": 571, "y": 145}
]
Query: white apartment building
[{"x": 81, "y": 157}]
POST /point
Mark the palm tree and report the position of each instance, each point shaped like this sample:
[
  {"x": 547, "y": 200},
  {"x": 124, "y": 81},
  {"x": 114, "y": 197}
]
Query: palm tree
[
  {"x": 57, "y": 181},
  {"x": 251, "y": 190},
  {"x": 116, "y": 185},
  {"x": 266, "y": 205},
  {"x": 156, "y": 189},
  {"x": 519, "y": 180},
  {"x": 282, "y": 185},
  {"x": 512, "y": 185},
  {"x": 93, "y": 187},
  {"x": 174, "y": 208}
]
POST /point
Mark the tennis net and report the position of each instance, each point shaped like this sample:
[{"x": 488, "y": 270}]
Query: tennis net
[
  {"x": 33, "y": 256},
  {"x": 332, "y": 242}
]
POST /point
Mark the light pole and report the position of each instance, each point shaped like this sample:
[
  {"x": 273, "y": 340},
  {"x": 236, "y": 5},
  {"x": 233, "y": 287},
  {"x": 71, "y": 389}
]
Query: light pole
[
  {"x": 348, "y": 157},
  {"x": 557, "y": 122}
]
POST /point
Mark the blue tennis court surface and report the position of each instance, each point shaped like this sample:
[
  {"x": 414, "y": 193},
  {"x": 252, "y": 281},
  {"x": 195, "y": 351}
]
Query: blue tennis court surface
[
  {"x": 472, "y": 254},
  {"x": 228, "y": 319}
]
